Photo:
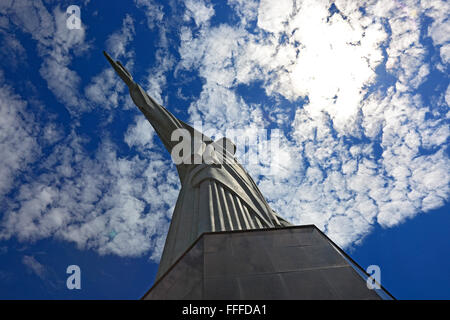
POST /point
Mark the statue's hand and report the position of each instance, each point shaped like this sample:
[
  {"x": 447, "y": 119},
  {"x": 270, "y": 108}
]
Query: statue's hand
[
  {"x": 138, "y": 96},
  {"x": 121, "y": 71}
]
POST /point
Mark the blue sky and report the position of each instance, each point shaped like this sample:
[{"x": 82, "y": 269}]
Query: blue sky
[{"x": 359, "y": 93}]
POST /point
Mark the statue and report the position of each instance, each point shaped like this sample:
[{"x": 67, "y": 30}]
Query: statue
[{"x": 215, "y": 195}]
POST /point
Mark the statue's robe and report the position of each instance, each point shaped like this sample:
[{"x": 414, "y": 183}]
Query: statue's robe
[{"x": 213, "y": 197}]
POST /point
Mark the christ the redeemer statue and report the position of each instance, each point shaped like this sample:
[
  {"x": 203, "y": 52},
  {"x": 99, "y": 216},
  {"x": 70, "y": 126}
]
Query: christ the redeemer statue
[{"x": 214, "y": 196}]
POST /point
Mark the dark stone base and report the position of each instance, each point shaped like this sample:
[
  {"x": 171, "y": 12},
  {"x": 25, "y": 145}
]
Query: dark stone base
[{"x": 287, "y": 263}]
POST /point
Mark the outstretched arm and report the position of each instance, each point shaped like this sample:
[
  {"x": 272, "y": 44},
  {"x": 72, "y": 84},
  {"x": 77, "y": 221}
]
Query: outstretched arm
[{"x": 161, "y": 119}]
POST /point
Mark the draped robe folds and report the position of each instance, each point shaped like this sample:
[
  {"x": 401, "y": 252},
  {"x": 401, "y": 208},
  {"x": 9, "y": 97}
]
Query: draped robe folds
[{"x": 213, "y": 197}]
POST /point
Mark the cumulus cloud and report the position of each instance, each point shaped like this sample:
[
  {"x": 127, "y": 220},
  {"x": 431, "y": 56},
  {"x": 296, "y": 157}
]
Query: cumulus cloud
[
  {"x": 13, "y": 52},
  {"x": 247, "y": 10},
  {"x": 439, "y": 30},
  {"x": 199, "y": 11},
  {"x": 153, "y": 12},
  {"x": 156, "y": 78},
  {"x": 56, "y": 44},
  {"x": 106, "y": 89},
  {"x": 111, "y": 204},
  {"x": 34, "y": 266},
  {"x": 18, "y": 142},
  {"x": 272, "y": 17},
  {"x": 140, "y": 134},
  {"x": 104, "y": 201},
  {"x": 355, "y": 151},
  {"x": 118, "y": 41}
]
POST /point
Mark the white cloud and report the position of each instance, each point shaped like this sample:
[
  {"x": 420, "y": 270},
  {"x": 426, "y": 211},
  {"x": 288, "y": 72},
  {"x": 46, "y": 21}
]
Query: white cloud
[
  {"x": 153, "y": 11},
  {"x": 141, "y": 134},
  {"x": 199, "y": 11},
  {"x": 118, "y": 41},
  {"x": 344, "y": 188},
  {"x": 56, "y": 44},
  {"x": 18, "y": 143},
  {"x": 105, "y": 202},
  {"x": 110, "y": 204},
  {"x": 156, "y": 78},
  {"x": 247, "y": 10},
  {"x": 107, "y": 89},
  {"x": 50, "y": 278},
  {"x": 439, "y": 30},
  {"x": 61, "y": 80},
  {"x": 445, "y": 53},
  {"x": 51, "y": 133},
  {"x": 34, "y": 266},
  {"x": 351, "y": 158},
  {"x": 13, "y": 52},
  {"x": 447, "y": 95},
  {"x": 272, "y": 16},
  {"x": 220, "y": 109}
]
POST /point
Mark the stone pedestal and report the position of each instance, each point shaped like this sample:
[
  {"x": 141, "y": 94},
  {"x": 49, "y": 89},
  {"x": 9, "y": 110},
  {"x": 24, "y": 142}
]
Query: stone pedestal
[{"x": 297, "y": 262}]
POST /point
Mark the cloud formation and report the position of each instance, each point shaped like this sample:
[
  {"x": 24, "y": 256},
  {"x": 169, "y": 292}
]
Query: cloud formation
[
  {"x": 18, "y": 131},
  {"x": 103, "y": 201},
  {"x": 198, "y": 10},
  {"x": 356, "y": 152},
  {"x": 55, "y": 44},
  {"x": 361, "y": 144},
  {"x": 111, "y": 204}
]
